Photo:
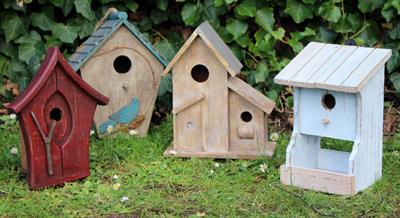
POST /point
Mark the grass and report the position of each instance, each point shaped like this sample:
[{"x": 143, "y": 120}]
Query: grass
[{"x": 159, "y": 186}]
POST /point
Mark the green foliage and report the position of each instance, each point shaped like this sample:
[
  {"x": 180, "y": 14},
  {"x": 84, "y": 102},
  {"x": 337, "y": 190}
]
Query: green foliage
[{"x": 264, "y": 35}]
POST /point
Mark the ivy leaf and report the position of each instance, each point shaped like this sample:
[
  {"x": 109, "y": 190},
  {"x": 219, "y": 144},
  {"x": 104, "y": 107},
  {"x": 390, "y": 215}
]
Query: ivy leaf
[
  {"x": 158, "y": 16},
  {"x": 219, "y": 3},
  {"x": 295, "y": 44},
  {"x": 395, "y": 32},
  {"x": 244, "y": 40},
  {"x": 83, "y": 7},
  {"x": 131, "y": 5},
  {"x": 31, "y": 50},
  {"x": 343, "y": 25},
  {"x": 191, "y": 14},
  {"x": 370, "y": 34},
  {"x": 65, "y": 33},
  {"x": 389, "y": 10},
  {"x": 395, "y": 79},
  {"x": 162, "y": 4},
  {"x": 265, "y": 18},
  {"x": 329, "y": 12},
  {"x": 228, "y": 2},
  {"x": 67, "y": 7},
  {"x": 57, "y": 3},
  {"x": 394, "y": 61},
  {"x": 369, "y": 5},
  {"x": 165, "y": 85},
  {"x": 325, "y": 34},
  {"x": 166, "y": 49},
  {"x": 355, "y": 20},
  {"x": 299, "y": 11},
  {"x": 42, "y": 21},
  {"x": 261, "y": 72},
  {"x": 278, "y": 34},
  {"x": 239, "y": 52},
  {"x": 236, "y": 27},
  {"x": 13, "y": 26},
  {"x": 247, "y": 8}
]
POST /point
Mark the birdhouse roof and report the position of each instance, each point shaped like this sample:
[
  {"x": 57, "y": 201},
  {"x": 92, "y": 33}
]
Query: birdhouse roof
[
  {"x": 104, "y": 32},
  {"x": 250, "y": 94},
  {"x": 216, "y": 45},
  {"x": 54, "y": 58},
  {"x": 336, "y": 67}
]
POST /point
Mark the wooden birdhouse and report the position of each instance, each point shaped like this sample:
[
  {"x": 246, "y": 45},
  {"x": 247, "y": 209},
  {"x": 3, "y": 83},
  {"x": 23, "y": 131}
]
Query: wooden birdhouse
[
  {"x": 118, "y": 61},
  {"x": 216, "y": 114},
  {"x": 55, "y": 113},
  {"x": 338, "y": 93}
]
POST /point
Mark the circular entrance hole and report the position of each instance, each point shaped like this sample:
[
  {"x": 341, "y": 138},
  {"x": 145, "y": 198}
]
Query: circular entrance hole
[
  {"x": 122, "y": 64},
  {"x": 328, "y": 101},
  {"x": 200, "y": 73},
  {"x": 246, "y": 116},
  {"x": 55, "y": 114}
]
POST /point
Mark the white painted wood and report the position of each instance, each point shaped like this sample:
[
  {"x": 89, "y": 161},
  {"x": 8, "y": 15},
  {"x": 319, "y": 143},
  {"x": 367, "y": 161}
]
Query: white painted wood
[{"x": 334, "y": 161}]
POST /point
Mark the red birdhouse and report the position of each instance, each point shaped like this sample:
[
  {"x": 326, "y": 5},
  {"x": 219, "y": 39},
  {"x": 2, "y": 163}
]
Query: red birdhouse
[{"x": 55, "y": 113}]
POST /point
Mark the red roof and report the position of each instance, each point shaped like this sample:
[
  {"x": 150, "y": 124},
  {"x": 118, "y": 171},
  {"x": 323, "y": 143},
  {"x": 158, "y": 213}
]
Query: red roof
[{"x": 54, "y": 57}]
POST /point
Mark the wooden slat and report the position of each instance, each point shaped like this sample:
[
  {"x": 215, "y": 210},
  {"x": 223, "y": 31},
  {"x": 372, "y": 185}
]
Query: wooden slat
[
  {"x": 367, "y": 69},
  {"x": 298, "y": 62},
  {"x": 187, "y": 102},
  {"x": 314, "y": 65},
  {"x": 331, "y": 65},
  {"x": 345, "y": 69},
  {"x": 252, "y": 95}
]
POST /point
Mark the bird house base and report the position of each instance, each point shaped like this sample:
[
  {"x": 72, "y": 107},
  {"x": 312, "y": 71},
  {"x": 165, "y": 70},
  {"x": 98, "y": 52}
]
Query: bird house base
[
  {"x": 318, "y": 180},
  {"x": 268, "y": 152}
]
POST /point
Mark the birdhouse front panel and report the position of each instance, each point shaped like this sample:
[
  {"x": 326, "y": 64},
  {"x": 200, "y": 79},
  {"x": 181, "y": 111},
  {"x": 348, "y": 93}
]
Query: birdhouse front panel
[
  {"x": 338, "y": 94},
  {"x": 328, "y": 113},
  {"x": 195, "y": 75},
  {"x": 120, "y": 62},
  {"x": 55, "y": 113}
]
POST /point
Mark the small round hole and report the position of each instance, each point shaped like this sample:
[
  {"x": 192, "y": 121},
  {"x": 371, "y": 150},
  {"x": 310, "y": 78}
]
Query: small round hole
[
  {"x": 55, "y": 114},
  {"x": 122, "y": 64},
  {"x": 200, "y": 73},
  {"x": 328, "y": 101},
  {"x": 246, "y": 116}
]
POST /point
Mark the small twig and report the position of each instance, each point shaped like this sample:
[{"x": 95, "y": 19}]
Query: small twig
[{"x": 315, "y": 210}]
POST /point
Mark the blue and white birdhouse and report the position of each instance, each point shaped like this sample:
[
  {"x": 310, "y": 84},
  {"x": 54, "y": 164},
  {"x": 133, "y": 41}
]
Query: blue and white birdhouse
[{"x": 338, "y": 93}]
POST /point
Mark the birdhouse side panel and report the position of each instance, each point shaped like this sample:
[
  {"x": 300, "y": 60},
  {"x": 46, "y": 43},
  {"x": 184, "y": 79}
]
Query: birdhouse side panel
[
  {"x": 124, "y": 69},
  {"x": 367, "y": 164},
  {"x": 246, "y": 125},
  {"x": 198, "y": 70},
  {"x": 328, "y": 113}
]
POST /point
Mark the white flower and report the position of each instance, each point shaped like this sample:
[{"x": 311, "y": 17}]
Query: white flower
[
  {"x": 20, "y": 3},
  {"x": 13, "y": 116},
  {"x": 173, "y": 152},
  {"x": 14, "y": 150},
  {"x": 91, "y": 132},
  {"x": 263, "y": 167},
  {"x": 116, "y": 186},
  {"x": 124, "y": 199},
  {"x": 200, "y": 214},
  {"x": 396, "y": 153},
  {"x": 274, "y": 136},
  {"x": 211, "y": 171},
  {"x": 217, "y": 165},
  {"x": 132, "y": 132},
  {"x": 110, "y": 128},
  {"x": 115, "y": 177}
]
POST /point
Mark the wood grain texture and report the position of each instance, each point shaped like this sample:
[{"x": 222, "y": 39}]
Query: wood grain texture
[
  {"x": 56, "y": 87},
  {"x": 216, "y": 46},
  {"x": 141, "y": 81},
  {"x": 336, "y": 67}
]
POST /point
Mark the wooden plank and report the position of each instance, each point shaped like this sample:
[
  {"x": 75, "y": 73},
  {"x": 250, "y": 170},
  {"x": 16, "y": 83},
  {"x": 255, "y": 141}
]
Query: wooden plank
[
  {"x": 187, "y": 102},
  {"x": 345, "y": 69},
  {"x": 314, "y": 65},
  {"x": 332, "y": 64},
  {"x": 298, "y": 62},
  {"x": 367, "y": 69},
  {"x": 251, "y": 94},
  {"x": 171, "y": 151},
  {"x": 318, "y": 180}
]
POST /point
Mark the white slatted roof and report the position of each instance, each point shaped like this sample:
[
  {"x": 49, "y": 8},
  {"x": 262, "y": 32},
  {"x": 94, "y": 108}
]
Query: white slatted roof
[{"x": 335, "y": 67}]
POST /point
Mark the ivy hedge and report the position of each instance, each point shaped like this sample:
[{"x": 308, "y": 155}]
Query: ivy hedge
[{"x": 263, "y": 34}]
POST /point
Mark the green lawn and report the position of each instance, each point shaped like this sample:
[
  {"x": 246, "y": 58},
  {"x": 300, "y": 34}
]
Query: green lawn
[{"x": 159, "y": 186}]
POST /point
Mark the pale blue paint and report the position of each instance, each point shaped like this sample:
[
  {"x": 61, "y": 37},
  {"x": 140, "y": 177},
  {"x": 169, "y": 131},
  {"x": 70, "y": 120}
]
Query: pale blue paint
[
  {"x": 343, "y": 117},
  {"x": 104, "y": 32},
  {"x": 124, "y": 116}
]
